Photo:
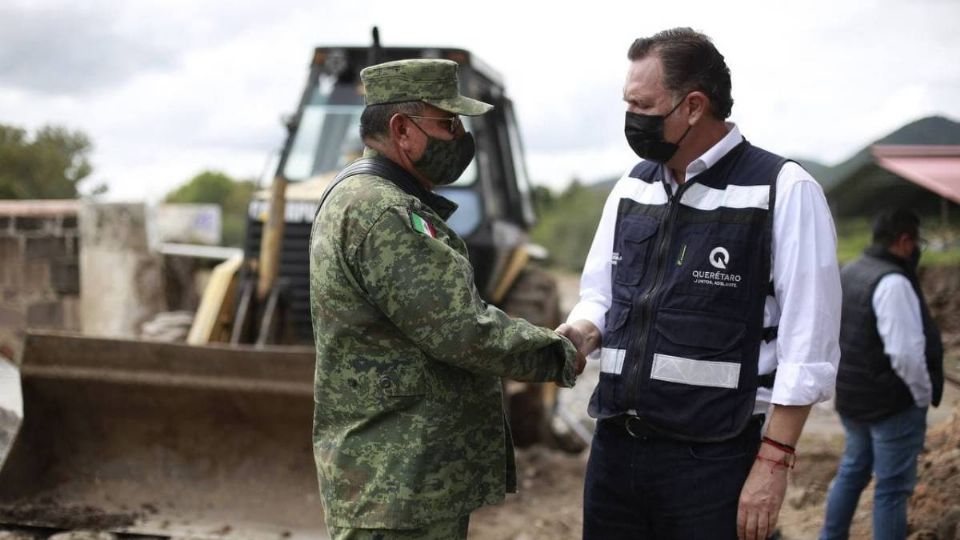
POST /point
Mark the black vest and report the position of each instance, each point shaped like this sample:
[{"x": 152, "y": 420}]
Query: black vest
[
  {"x": 867, "y": 386},
  {"x": 691, "y": 273}
]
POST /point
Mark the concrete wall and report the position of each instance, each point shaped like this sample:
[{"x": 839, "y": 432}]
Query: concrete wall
[
  {"x": 188, "y": 223},
  {"x": 121, "y": 278},
  {"x": 39, "y": 270}
]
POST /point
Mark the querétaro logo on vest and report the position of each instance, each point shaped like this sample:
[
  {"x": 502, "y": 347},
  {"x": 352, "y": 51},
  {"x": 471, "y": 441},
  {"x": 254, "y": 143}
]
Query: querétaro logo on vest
[{"x": 719, "y": 258}]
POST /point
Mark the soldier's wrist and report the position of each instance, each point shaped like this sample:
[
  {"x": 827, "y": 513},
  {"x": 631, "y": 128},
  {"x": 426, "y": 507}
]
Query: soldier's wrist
[{"x": 568, "y": 368}]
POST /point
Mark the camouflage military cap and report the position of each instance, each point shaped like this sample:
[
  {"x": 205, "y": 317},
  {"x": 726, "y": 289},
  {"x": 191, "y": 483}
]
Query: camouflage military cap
[{"x": 431, "y": 81}]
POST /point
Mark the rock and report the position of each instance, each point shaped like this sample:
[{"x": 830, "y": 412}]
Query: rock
[
  {"x": 16, "y": 535},
  {"x": 171, "y": 326},
  {"x": 934, "y": 510},
  {"x": 798, "y": 498},
  {"x": 84, "y": 535},
  {"x": 949, "y": 527},
  {"x": 11, "y": 406}
]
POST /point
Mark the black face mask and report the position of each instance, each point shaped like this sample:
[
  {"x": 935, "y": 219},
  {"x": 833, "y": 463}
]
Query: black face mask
[
  {"x": 645, "y": 136},
  {"x": 914, "y": 259},
  {"x": 442, "y": 161}
]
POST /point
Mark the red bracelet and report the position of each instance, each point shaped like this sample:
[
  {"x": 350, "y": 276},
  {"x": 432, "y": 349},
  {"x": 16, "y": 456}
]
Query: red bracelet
[
  {"x": 779, "y": 445},
  {"x": 783, "y": 462}
]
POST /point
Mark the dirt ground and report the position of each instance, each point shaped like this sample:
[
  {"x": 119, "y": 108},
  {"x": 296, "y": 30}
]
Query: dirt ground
[{"x": 549, "y": 504}]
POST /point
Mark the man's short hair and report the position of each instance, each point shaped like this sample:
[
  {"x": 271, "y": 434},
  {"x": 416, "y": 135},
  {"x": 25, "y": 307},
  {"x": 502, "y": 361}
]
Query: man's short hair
[
  {"x": 690, "y": 63},
  {"x": 890, "y": 224},
  {"x": 375, "y": 119}
]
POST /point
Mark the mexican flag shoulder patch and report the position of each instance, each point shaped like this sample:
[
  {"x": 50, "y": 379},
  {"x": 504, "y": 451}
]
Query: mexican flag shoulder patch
[{"x": 422, "y": 226}]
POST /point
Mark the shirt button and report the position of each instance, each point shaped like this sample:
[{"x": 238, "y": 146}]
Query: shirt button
[{"x": 385, "y": 382}]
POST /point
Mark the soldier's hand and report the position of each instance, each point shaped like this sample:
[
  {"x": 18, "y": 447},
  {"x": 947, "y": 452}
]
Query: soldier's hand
[
  {"x": 576, "y": 337},
  {"x": 581, "y": 362}
]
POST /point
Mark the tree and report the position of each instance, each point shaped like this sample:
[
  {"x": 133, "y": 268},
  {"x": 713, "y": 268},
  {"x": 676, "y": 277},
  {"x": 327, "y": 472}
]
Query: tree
[
  {"x": 567, "y": 224},
  {"x": 215, "y": 187},
  {"x": 543, "y": 199},
  {"x": 50, "y": 165},
  {"x": 207, "y": 187}
]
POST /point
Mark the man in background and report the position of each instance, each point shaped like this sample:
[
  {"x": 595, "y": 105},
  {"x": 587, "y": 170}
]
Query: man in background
[{"x": 891, "y": 371}]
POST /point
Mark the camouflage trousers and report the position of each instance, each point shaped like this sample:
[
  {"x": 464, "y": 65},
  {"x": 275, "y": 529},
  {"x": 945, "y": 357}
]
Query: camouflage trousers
[{"x": 453, "y": 529}]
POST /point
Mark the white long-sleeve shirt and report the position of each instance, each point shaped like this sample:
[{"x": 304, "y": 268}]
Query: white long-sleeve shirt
[
  {"x": 901, "y": 329},
  {"x": 805, "y": 275}
]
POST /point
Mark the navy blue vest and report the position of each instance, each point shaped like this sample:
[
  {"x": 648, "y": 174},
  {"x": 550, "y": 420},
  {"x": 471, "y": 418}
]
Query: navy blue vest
[{"x": 691, "y": 272}]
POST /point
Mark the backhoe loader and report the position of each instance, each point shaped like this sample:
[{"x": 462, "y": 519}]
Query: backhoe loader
[{"x": 211, "y": 438}]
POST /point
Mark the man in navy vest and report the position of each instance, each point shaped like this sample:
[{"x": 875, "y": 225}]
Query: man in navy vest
[
  {"x": 891, "y": 370},
  {"x": 711, "y": 293}
]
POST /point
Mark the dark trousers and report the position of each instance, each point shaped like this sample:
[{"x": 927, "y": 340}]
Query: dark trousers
[{"x": 641, "y": 486}]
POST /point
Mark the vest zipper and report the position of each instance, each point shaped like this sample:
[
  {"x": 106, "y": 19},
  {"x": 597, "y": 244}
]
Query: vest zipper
[{"x": 648, "y": 298}]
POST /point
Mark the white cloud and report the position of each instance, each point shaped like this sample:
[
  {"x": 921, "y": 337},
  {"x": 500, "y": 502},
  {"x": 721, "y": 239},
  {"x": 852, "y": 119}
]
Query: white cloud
[
  {"x": 556, "y": 170},
  {"x": 69, "y": 49},
  {"x": 179, "y": 86}
]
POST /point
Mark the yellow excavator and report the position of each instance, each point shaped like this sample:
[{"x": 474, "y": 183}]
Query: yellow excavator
[{"x": 211, "y": 438}]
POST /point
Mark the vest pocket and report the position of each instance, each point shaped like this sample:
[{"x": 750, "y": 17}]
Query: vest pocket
[
  {"x": 616, "y": 317},
  {"x": 632, "y": 248},
  {"x": 698, "y": 350},
  {"x": 613, "y": 351}
]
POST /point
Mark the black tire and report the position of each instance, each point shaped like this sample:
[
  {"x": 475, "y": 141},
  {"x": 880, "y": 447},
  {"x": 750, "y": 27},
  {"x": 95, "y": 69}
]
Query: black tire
[
  {"x": 530, "y": 406},
  {"x": 534, "y": 297}
]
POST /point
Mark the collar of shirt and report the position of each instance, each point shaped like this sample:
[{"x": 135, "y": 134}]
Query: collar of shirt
[
  {"x": 710, "y": 157},
  {"x": 443, "y": 206}
]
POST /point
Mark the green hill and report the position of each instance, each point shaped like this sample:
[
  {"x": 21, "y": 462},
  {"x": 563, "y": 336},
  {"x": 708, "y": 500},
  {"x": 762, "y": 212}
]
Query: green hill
[
  {"x": 816, "y": 169},
  {"x": 929, "y": 130},
  {"x": 859, "y": 188}
]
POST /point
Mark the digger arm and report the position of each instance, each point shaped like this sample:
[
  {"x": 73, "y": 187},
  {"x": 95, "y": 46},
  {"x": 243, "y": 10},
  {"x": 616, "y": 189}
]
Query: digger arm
[{"x": 272, "y": 239}]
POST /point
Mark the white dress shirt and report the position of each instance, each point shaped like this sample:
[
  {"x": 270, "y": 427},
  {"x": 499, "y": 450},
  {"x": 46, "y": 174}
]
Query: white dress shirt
[
  {"x": 901, "y": 329},
  {"x": 805, "y": 275}
]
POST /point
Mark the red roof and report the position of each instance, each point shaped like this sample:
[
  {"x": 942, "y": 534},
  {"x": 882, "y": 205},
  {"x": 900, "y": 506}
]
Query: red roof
[{"x": 936, "y": 168}]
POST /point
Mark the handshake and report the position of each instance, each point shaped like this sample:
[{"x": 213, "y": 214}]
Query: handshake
[{"x": 584, "y": 336}]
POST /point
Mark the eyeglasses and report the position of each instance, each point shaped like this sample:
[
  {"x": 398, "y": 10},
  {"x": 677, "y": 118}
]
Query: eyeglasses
[{"x": 454, "y": 121}]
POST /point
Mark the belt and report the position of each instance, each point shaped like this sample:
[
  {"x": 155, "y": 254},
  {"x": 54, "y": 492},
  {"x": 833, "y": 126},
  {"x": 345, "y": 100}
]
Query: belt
[
  {"x": 635, "y": 426},
  {"x": 638, "y": 428}
]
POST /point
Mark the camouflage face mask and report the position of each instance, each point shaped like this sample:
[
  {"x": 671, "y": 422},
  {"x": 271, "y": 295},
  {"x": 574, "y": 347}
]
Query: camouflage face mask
[{"x": 442, "y": 161}]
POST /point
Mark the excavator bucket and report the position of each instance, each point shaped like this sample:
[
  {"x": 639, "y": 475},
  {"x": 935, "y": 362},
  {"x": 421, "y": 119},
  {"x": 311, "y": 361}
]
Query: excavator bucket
[{"x": 164, "y": 439}]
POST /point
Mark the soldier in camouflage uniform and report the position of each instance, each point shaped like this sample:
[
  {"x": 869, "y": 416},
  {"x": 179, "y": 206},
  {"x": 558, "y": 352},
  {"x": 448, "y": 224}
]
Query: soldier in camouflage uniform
[{"x": 409, "y": 431}]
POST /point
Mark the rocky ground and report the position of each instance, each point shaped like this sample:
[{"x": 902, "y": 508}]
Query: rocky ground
[
  {"x": 549, "y": 504},
  {"x": 550, "y": 500}
]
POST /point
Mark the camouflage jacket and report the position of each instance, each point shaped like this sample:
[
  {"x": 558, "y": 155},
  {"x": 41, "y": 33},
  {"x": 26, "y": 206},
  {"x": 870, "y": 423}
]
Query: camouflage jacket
[{"x": 408, "y": 423}]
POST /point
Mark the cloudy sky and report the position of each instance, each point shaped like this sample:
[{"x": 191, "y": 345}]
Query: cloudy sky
[{"x": 167, "y": 88}]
